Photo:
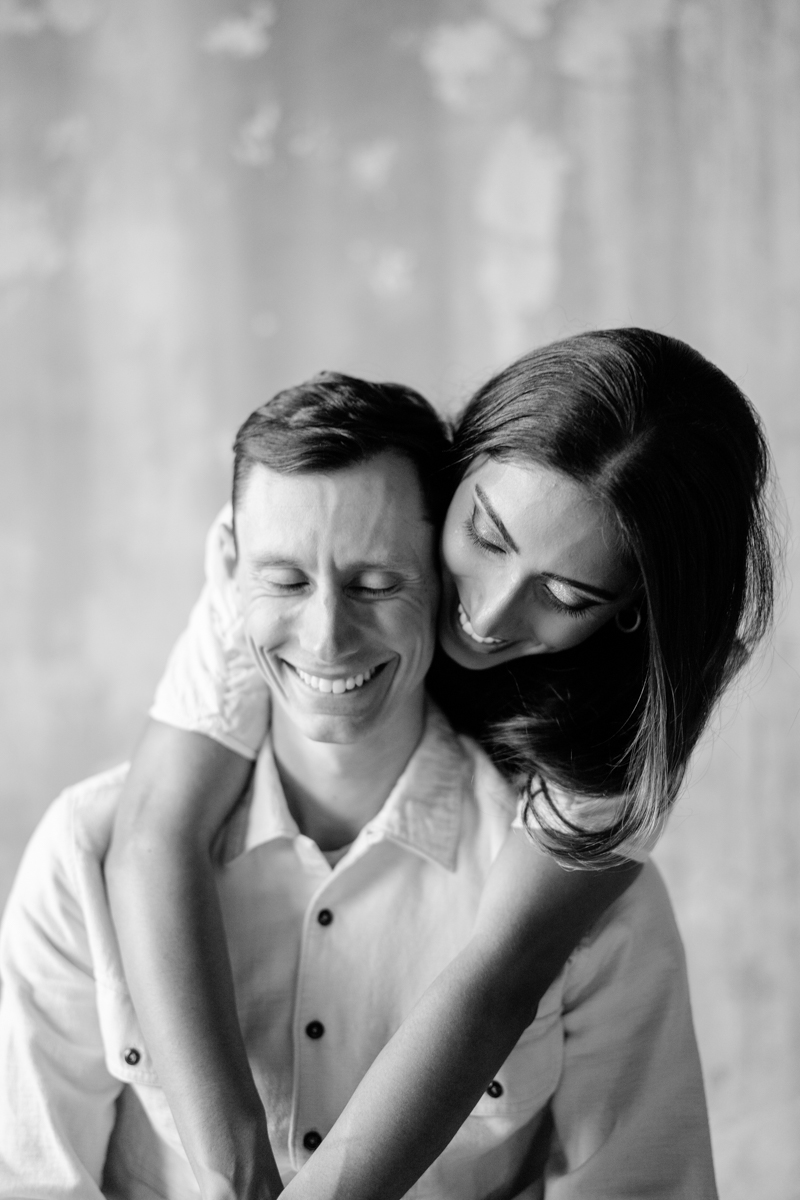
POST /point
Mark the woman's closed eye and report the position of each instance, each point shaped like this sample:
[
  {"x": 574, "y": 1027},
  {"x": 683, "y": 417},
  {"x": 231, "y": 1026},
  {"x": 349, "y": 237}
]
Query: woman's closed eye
[
  {"x": 482, "y": 533},
  {"x": 568, "y": 600}
]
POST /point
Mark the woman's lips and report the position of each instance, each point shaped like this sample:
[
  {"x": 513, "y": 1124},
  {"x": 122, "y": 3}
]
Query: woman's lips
[{"x": 464, "y": 622}]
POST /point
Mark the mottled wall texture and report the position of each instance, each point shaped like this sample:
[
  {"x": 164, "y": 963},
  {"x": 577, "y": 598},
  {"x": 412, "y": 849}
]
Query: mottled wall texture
[{"x": 203, "y": 201}]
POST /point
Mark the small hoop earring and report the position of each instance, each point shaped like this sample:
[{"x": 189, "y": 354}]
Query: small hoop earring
[{"x": 624, "y": 627}]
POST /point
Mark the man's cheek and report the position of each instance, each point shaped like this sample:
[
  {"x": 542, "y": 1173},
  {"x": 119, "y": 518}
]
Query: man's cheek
[
  {"x": 262, "y": 625},
  {"x": 415, "y": 624}
]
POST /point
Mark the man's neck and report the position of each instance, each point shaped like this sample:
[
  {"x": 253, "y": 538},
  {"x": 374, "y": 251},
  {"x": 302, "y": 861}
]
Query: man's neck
[{"x": 334, "y": 790}]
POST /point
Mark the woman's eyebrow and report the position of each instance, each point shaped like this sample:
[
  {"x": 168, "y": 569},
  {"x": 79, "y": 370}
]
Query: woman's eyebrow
[
  {"x": 589, "y": 588},
  {"x": 484, "y": 499},
  {"x": 601, "y": 593}
]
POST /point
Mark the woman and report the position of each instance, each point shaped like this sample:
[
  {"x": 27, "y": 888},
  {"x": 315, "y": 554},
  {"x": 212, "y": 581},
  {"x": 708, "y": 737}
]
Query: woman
[{"x": 607, "y": 568}]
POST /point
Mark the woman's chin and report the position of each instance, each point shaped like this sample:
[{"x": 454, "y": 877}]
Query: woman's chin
[{"x": 474, "y": 657}]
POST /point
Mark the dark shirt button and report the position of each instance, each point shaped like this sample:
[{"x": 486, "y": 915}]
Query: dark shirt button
[
  {"x": 324, "y": 916},
  {"x": 315, "y": 1029},
  {"x": 494, "y": 1089},
  {"x": 312, "y": 1139},
  {"x": 131, "y": 1056}
]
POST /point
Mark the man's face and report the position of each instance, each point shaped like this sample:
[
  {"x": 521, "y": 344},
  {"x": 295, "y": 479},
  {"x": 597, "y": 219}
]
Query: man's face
[{"x": 339, "y": 587}]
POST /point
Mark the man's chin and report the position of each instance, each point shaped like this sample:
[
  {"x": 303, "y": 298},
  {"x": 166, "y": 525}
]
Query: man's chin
[{"x": 333, "y": 730}]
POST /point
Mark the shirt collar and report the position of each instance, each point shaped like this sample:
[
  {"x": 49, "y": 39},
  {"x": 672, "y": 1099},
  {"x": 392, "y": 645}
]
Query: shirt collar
[{"x": 422, "y": 812}]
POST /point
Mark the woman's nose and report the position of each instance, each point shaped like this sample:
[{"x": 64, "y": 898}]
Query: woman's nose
[{"x": 495, "y": 613}]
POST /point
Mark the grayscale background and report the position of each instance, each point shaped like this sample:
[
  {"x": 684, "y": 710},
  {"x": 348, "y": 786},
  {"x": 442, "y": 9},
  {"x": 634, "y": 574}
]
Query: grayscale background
[{"x": 201, "y": 202}]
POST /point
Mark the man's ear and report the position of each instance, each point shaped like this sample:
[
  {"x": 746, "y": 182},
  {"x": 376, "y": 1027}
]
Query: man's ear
[{"x": 228, "y": 552}]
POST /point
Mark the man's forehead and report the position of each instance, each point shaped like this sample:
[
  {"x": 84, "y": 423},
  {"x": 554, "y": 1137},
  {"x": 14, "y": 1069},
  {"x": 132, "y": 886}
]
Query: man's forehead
[{"x": 371, "y": 512}]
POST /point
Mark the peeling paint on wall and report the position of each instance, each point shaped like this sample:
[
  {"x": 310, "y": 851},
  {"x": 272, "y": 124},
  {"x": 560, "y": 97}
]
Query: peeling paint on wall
[
  {"x": 67, "y": 138},
  {"x": 388, "y": 271},
  {"x": 29, "y": 248},
  {"x": 254, "y": 145},
  {"x": 458, "y": 56},
  {"x": 529, "y": 18},
  {"x": 265, "y": 324},
  {"x": 64, "y": 16},
  {"x": 519, "y": 205},
  {"x": 596, "y": 40},
  {"x": 243, "y": 37},
  {"x": 148, "y": 253},
  {"x": 317, "y": 143},
  {"x": 699, "y": 38},
  {"x": 371, "y": 164}
]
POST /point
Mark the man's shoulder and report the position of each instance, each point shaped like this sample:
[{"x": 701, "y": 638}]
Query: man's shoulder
[
  {"x": 80, "y": 818},
  {"x": 58, "y": 889},
  {"x": 482, "y": 779},
  {"x": 489, "y": 785}
]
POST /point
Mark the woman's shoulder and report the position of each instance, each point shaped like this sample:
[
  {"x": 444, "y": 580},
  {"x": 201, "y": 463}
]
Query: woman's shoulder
[{"x": 548, "y": 806}]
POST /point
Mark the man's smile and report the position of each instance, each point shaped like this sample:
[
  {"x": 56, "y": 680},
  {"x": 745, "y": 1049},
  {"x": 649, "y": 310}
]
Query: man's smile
[
  {"x": 336, "y": 578},
  {"x": 336, "y": 685}
]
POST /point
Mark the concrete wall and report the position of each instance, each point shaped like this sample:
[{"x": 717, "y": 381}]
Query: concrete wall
[{"x": 201, "y": 202}]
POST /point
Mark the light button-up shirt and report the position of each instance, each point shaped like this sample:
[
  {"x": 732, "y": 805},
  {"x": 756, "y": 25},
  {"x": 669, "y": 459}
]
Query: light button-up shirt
[{"x": 611, "y": 1056}]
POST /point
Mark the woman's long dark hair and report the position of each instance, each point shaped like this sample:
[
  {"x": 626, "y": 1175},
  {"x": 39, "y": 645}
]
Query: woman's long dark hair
[{"x": 675, "y": 450}]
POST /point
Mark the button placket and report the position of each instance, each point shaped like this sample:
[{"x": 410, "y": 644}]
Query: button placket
[{"x": 312, "y": 1063}]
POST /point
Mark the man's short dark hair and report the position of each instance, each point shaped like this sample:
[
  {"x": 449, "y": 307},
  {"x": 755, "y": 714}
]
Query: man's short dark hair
[{"x": 334, "y": 421}]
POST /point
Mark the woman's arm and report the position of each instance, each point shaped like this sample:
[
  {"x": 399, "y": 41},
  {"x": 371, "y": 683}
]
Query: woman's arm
[
  {"x": 432, "y": 1073},
  {"x": 167, "y": 915}
]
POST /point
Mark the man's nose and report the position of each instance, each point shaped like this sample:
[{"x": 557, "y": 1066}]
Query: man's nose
[{"x": 329, "y": 630}]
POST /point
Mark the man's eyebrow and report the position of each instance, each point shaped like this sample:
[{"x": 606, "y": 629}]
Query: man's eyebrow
[
  {"x": 262, "y": 562},
  {"x": 266, "y": 561},
  {"x": 601, "y": 593},
  {"x": 484, "y": 499}
]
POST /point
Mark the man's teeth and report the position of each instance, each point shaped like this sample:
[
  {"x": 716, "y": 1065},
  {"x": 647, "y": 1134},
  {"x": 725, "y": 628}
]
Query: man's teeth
[
  {"x": 470, "y": 632},
  {"x": 336, "y": 686}
]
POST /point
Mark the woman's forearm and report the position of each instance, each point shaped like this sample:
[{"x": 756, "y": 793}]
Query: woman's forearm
[
  {"x": 429, "y": 1077},
  {"x": 167, "y": 915},
  {"x": 417, "y": 1094}
]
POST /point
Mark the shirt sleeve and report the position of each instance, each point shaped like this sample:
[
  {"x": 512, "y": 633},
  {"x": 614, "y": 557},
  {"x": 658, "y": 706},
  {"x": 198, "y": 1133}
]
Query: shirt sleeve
[
  {"x": 211, "y": 684},
  {"x": 57, "y": 1097},
  {"x": 629, "y": 1111}
]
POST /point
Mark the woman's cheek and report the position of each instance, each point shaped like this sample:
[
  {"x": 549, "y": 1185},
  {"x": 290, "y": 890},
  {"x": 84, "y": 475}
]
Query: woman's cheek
[
  {"x": 457, "y": 551},
  {"x": 565, "y": 632}
]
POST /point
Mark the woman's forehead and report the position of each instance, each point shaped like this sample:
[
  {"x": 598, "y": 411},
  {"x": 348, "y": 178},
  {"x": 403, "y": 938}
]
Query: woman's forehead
[{"x": 557, "y": 523}]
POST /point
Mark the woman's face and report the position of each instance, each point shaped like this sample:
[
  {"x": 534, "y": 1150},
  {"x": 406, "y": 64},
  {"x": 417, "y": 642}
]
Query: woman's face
[{"x": 532, "y": 564}]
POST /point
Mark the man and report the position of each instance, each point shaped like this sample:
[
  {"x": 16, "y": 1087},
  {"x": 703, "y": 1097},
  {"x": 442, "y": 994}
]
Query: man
[{"x": 351, "y": 874}]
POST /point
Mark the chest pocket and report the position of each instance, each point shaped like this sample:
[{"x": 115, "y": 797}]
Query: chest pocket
[{"x": 528, "y": 1077}]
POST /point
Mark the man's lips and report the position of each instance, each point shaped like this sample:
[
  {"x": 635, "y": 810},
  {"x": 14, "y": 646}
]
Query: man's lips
[{"x": 336, "y": 685}]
